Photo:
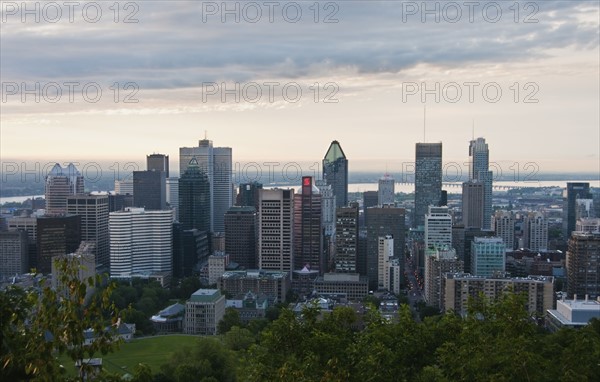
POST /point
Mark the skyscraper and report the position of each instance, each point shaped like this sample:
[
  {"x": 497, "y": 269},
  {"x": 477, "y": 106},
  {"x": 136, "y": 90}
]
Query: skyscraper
[
  {"x": 479, "y": 155},
  {"x": 56, "y": 236},
  {"x": 173, "y": 195},
  {"x": 150, "y": 190},
  {"x": 60, "y": 183},
  {"x": 158, "y": 162},
  {"x": 488, "y": 256},
  {"x": 428, "y": 179},
  {"x": 335, "y": 173},
  {"x": 194, "y": 198},
  {"x": 216, "y": 162},
  {"x": 573, "y": 192},
  {"x": 346, "y": 239},
  {"x": 583, "y": 264},
  {"x": 14, "y": 248},
  {"x": 93, "y": 210},
  {"x": 473, "y": 199},
  {"x": 385, "y": 252},
  {"x": 248, "y": 194},
  {"x": 385, "y": 190},
  {"x": 503, "y": 225},
  {"x": 370, "y": 199},
  {"x": 438, "y": 227},
  {"x": 535, "y": 232},
  {"x": 241, "y": 235},
  {"x": 275, "y": 229},
  {"x": 190, "y": 249},
  {"x": 308, "y": 235}
]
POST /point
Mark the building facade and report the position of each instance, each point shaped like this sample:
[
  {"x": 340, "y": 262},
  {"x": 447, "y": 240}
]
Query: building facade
[
  {"x": 194, "y": 198},
  {"x": 241, "y": 236},
  {"x": 150, "y": 190},
  {"x": 307, "y": 232},
  {"x": 275, "y": 241},
  {"x": 583, "y": 264},
  {"x": 503, "y": 224},
  {"x": 203, "y": 311},
  {"x": 428, "y": 179},
  {"x": 488, "y": 256},
  {"x": 346, "y": 239},
  {"x": 386, "y": 190},
  {"x": 61, "y": 183},
  {"x": 335, "y": 173}
]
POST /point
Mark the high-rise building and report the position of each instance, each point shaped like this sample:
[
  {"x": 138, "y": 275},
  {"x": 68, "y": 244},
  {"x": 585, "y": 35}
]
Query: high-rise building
[
  {"x": 56, "y": 236},
  {"x": 158, "y": 162},
  {"x": 60, "y": 183},
  {"x": 488, "y": 256},
  {"x": 308, "y": 236},
  {"x": 383, "y": 221},
  {"x": 438, "y": 260},
  {"x": 385, "y": 190},
  {"x": 472, "y": 204},
  {"x": 588, "y": 225},
  {"x": 385, "y": 252},
  {"x": 346, "y": 239},
  {"x": 241, "y": 236},
  {"x": 216, "y": 162},
  {"x": 150, "y": 190},
  {"x": 275, "y": 229},
  {"x": 370, "y": 199},
  {"x": 29, "y": 225},
  {"x": 584, "y": 208},
  {"x": 248, "y": 194},
  {"x": 583, "y": 264},
  {"x": 173, "y": 195},
  {"x": 93, "y": 210},
  {"x": 438, "y": 227},
  {"x": 194, "y": 198},
  {"x": 14, "y": 249},
  {"x": 428, "y": 179},
  {"x": 469, "y": 234},
  {"x": 190, "y": 251},
  {"x": 141, "y": 243},
  {"x": 503, "y": 224},
  {"x": 335, "y": 173},
  {"x": 535, "y": 232},
  {"x": 479, "y": 155},
  {"x": 124, "y": 187},
  {"x": 328, "y": 208},
  {"x": 573, "y": 192}
]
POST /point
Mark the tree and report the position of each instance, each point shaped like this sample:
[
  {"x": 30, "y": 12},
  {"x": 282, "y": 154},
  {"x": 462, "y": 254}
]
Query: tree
[
  {"x": 230, "y": 319},
  {"x": 238, "y": 339},
  {"x": 37, "y": 324}
]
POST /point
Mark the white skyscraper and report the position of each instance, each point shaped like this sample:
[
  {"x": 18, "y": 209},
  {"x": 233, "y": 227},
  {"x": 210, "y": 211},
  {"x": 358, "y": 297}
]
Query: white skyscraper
[
  {"x": 327, "y": 208},
  {"x": 503, "y": 224},
  {"x": 140, "y": 243},
  {"x": 276, "y": 212},
  {"x": 217, "y": 163},
  {"x": 535, "y": 232},
  {"x": 386, "y": 253},
  {"x": 61, "y": 183},
  {"x": 385, "y": 191},
  {"x": 438, "y": 227}
]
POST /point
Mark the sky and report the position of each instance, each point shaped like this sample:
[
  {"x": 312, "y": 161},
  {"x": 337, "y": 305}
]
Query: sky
[{"x": 376, "y": 76}]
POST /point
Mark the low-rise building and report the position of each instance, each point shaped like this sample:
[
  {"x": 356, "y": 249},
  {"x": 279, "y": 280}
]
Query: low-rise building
[
  {"x": 170, "y": 319},
  {"x": 203, "y": 311},
  {"x": 353, "y": 285},
  {"x": 572, "y": 313},
  {"x": 275, "y": 284},
  {"x": 250, "y": 306}
]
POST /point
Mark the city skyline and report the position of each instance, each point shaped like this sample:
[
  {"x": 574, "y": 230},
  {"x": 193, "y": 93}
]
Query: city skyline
[{"x": 550, "y": 53}]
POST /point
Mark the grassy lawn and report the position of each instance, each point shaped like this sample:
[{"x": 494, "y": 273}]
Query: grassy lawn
[{"x": 153, "y": 351}]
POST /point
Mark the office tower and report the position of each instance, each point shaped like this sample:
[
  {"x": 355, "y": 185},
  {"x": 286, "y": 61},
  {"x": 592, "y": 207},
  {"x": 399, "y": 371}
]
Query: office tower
[
  {"x": 194, "y": 198},
  {"x": 118, "y": 202},
  {"x": 346, "y": 239},
  {"x": 535, "y": 232},
  {"x": 428, "y": 179},
  {"x": 93, "y": 210},
  {"x": 141, "y": 243},
  {"x": 370, "y": 199},
  {"x": 275, "y": 229},
  {"x": 328, "y": 208},
  {"x": 479, "y": 155},
  {"x": 503, "y": 224},
  {"x": 190, "y": 251},
  {"x": 124, "y": 187},
  {"x": 335, "y": 173},
  {"x": 14, "y": 253},
  {"x": 438, "y": 260},
  {"x": 29, "y": 225},
  {"x": 472, "y": 204},
  {"x": 584, "y": 208},
  {"x": 248, "y": 194},
  {"x": 361, "y": 256},
  {"x": 469, "y": 234},
  {"x": 60, "y": 183},
  {"x": 203, "y": 311},
  {"x": 149, "y": 190},
  {"x": 583, "y": 265},
  {"x": 573, "y": 192},
  {"x": 443, "y": 199},
  {"x": 385, "y": 190},
  {"x": 438, "y": 227},
  {"x": 488, "y": 256},
  {"x": 173, "y": 195},
  {"x": 588, "y": 225},
  {"x": 158, "y": 162},
  {"x": 308, "y": 237},
  {"x": 241, "y": 236},
  {"x": 56, "y": 235},
  {"x": 216, "y": 162},
  {"x": 385, "y": 252},
  {"x": 383, "y": 221}
]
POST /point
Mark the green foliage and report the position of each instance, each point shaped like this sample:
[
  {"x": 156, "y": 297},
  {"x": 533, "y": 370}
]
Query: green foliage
[{"x": 230, "y": 319}]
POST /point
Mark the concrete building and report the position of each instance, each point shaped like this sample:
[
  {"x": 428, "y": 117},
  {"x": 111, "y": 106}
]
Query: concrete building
[
  {"x": 14, "y": 253},
  {"x": 241, "y": 236},
  {"x": 216, "y": 162},
  {"x": 503, "y": 224},
  {"x": 386, "y": 190},
  {"x": 141, "y": 243},
  {"x": 275, "y": 241},
  {"x": 150, "y": 190},
  {"x": 588, "y": 225},
  {"x": 479, "y": 154},
  {"x": 574, "y": 191},
  {"x": 488, "y": 256},
  {"x": 352, "y": 285},
  {"x": 335, "y": 173},
  {"x": 61, "y": 183},
  {"x": 328, "y": 208},
  {"x": 248, "y": 195},
  {"x": 275, "y": 284},
  {"x": 385, "y": 254},
  {"x": 56, "y": 236},
  {"x": 535, "y": 231},
  {"x": 457, "y": 288},
  {"x": 83, "y": 260},
  {"x": 583, "y": 264},
  {"x": 307, "y": 232},
  {"x": 173, "y": 195},
  {"x": 572, "y": 313},
  {"x": 93, "y": 211},
  {"x": 428, "y": 179},
  {"x": 438, "y": 227},
  {"x": 438, "y": 260},
  {"x": 203, "y": 311},
  {"x": 346, "y": 239},
  {"x": 191, "y": 249},
  {"x": 124, "y": 187},
  {"x": 217, "y": 263},
  {"x": 29, "y": 225},
  {"x": 158, "y": 162},
  {"x": 472, "y": 204}
]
